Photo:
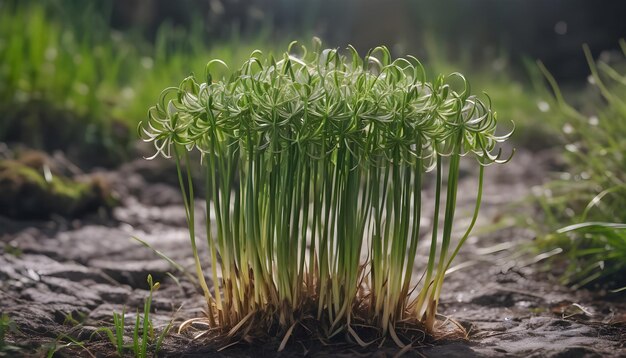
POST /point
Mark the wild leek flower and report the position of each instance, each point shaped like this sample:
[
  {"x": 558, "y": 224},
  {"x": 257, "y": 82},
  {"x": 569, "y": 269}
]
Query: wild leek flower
[{"x": 314, "y": 174}]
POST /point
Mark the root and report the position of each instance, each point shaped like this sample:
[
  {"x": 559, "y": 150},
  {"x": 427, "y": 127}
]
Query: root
[{"x": 306, "y": 331}]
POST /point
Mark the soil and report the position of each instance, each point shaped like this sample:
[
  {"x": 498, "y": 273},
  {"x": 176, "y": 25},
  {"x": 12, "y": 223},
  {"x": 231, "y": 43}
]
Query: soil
[{"x": 63, "y": 278}]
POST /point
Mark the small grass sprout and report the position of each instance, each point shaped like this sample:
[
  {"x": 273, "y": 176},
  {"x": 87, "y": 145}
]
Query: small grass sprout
[
  {"x": 7, "y": 325},
  {"x": 314, "y": 173},
  {"x": 143, "y": 330}
]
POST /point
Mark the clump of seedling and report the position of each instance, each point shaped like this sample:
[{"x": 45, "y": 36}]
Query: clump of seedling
[
  {"x": 314, "y": 169},
  {"x": 143, "y": 330}
]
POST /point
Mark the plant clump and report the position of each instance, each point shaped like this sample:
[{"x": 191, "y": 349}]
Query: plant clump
[
  {"x": 592, "y": 199},
  {"x": 315, "y": 169}
]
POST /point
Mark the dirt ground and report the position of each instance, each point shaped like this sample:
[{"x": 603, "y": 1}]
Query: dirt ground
[{"x": 65, "y": 277}]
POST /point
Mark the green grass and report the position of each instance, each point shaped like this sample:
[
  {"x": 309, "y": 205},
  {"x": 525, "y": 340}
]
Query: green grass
[
  {"x": 47, "y": 71},
  {"x": 594, "y": 251},
  {"x": 592, "y": 196},
  {"x": 144, "y": 338},
  {"x": 67, "y": 83},
  {"x": 314, "y": 159},
  {"x": 7, "y": 326}
]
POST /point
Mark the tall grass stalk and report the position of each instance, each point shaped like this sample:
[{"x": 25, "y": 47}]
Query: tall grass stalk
[{"x": 315, "y": 169}]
